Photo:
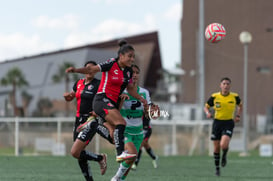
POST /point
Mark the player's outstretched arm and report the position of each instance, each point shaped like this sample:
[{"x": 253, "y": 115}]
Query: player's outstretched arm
[{"x": 92, "y": 69}]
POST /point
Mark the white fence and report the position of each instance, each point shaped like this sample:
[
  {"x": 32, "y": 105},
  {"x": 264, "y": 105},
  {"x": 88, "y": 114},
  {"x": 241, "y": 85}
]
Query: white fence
[{"x": 21, "y": 130}]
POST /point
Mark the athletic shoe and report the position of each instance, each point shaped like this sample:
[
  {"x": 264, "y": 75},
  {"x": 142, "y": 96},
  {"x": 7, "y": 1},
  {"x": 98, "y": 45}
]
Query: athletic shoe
[
  {"x": 103, "y": 164},
  {"x": 134, "y": 166},
  {"x": 115, "y": 178},
  {"x": 125, "y": 156},
  {"x": 217, "y": 172},
  {"x": 86, "y": 124},
  {"x": 224, "y": 161},
  {"x": 154, "y": 162}
]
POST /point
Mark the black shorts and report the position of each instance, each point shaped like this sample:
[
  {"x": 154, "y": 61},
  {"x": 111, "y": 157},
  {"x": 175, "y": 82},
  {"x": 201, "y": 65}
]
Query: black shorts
[
  {"x": 102, "y": 104},
  {"x": 147, "y": 133},
  {"x": 221, "y": 127},
  {"x": 87, "y": 134},
  {"x": 78, "y": 121}
]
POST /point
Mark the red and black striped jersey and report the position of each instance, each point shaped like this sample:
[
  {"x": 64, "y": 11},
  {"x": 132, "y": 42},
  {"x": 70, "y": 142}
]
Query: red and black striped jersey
[
  {"x": 84, "y": 94},
  {"x": 114, "y": 79}
]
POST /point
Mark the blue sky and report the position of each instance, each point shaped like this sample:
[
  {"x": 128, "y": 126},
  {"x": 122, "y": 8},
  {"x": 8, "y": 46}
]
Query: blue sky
[{"x": 32, "y": 27}]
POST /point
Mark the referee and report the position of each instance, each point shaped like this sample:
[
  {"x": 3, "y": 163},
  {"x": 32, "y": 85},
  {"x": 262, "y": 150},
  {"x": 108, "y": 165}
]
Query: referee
[{"x": 225, "y": 104}]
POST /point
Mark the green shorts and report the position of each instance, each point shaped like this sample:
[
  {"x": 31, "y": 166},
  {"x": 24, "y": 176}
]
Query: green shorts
[{"x": 135, "y": 139}]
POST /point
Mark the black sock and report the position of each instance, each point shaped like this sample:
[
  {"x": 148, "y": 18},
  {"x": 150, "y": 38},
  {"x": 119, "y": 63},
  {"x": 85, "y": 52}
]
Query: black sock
[
  {"x": 104, "y": 132},
  {"x": 86, "y": 155},
  {"x": 151, "y": 153},
  {"x": 119, "y": 138},
  {"x": 224, "y": 153},
  {"x": 85, "y": 170},
  {"x": 217, "y": 160},
  {"x": 138, "y": 156}
]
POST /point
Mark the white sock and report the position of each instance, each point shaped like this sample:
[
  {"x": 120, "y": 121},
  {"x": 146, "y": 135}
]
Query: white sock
[{"x": 121, "y": 171}]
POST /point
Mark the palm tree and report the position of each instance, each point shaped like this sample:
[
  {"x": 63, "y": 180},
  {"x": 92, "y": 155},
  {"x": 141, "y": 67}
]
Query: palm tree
[
  {"x": 44, "y": 105},
  {"x": 16, "y": 79},
  {"x": 60, "y": 75},
  {"x": 43, "y": 108},
  {"x": 26, "y": 99}
]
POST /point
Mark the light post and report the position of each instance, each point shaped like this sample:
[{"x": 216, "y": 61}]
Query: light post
[
  {"x": 245, "y": 38},
  {"x": 174, "y": 88}
]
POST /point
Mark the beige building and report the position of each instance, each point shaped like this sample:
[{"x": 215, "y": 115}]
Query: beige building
[{"x": 226, "y": 58}]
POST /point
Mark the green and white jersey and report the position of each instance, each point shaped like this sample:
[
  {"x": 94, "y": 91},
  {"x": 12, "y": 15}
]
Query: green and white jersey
[{"x": 132, "y": 111}]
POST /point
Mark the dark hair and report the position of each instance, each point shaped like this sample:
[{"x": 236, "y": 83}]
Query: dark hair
[
  {"x": 124, "y": 47},
  {"x": 134, "y": 65},
  {"x": 90, "y": 61},
  {"x": 226, "y": 78}
]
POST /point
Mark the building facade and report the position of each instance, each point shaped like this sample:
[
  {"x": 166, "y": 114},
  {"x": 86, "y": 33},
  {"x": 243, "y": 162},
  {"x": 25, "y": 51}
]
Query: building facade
[{"x": 226, "y": 58}]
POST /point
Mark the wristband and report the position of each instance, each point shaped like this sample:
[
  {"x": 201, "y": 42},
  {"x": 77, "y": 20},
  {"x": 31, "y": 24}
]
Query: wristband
[{"x": 207, "y": 113}]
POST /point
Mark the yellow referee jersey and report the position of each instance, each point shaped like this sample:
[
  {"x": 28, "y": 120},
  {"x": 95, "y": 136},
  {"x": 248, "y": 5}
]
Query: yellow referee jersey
[{"x": 224, "y": 106}]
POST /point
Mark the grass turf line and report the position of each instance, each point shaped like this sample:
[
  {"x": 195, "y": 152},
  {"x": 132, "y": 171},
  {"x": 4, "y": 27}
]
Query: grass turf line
[{"x": 171, "y": 168}]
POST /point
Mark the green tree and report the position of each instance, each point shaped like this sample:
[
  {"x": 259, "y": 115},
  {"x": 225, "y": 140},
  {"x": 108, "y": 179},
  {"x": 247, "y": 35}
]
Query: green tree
[
  {"x": 62, "y": 75},
  {"x": 44, "y": 105},
  {"x": 43, "y": 108},
  {"x": 16, "y": 79},
  {"x": 26, "y": 99}
]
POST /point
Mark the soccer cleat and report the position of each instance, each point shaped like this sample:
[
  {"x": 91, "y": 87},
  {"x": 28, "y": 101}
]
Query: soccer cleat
[
  {"x": 115, "y": 178},
  {"x": 125, "y": 156},
  {"x": 103, "y": 164},
  {"x": 86, "y": 124},
  {"x": 154, "y": 162},
  {"x": 217, "y": 172},
  {"x": 134, "y": 166},
  {"x": 224, "y": 161}
]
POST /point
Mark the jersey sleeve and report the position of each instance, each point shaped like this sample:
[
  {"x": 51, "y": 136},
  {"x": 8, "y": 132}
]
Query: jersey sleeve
[
  {"x": 75, "y": 86},
  {"x": 106, "y": 66},
  {"x": 148, "y": 98},
  {"x": 238, "y": 100},
  {"x": 210, "y": 102},
  {"x": 97, "y": 84}
]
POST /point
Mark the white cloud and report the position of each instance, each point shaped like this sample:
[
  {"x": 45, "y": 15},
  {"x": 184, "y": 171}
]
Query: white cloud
[
  {"x": 109, "y": 29},
  {"x": 174, "y": 13},
  {"x": 116, "y": 27},
  {"x": 110, "y": 2},
  {"x": 77, "y": 39},
  {"x": 67, "y": 21},
  {"x": 150, "y": 22},
  {"x": 17, "y": 45}
]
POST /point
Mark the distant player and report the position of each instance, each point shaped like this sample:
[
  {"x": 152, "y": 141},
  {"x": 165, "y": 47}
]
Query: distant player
[
  {"x": 224, "y": 104},
  {"x": 147, "y": 128},
  {"x": 84, "y": 91}
]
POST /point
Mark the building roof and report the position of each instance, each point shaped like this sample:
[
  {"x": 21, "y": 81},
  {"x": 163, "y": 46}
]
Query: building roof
[{"x": 39, "y": 69}]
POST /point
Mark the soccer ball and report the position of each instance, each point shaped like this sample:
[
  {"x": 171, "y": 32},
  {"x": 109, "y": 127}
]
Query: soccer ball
[
  {"x": 154, "y": 111},
  {"x": 215, "y": 32}
]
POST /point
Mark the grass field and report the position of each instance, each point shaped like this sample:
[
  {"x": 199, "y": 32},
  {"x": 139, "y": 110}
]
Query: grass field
[{"x": 173, "y": 168}]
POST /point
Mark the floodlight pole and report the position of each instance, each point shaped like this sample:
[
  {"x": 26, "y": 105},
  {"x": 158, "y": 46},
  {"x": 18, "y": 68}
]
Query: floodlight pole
[
  {"x": 201, "y": 58},
  {"x": 245, "y": 98},
  {"x": 245, "y": 38}
]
